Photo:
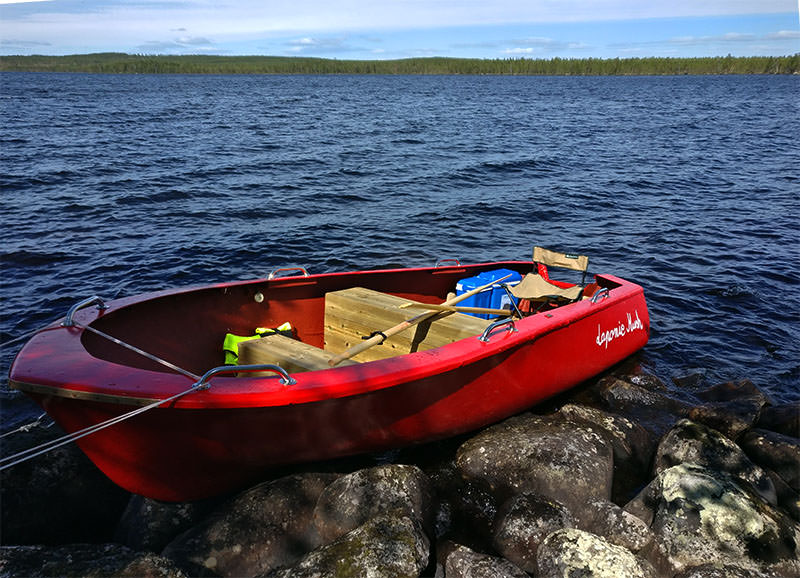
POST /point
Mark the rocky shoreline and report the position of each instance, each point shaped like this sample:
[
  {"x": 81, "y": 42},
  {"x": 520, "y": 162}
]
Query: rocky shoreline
[{"x": 618, "y": 478}]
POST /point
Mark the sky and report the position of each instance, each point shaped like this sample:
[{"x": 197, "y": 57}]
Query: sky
[{"x": 388, "y": 29}]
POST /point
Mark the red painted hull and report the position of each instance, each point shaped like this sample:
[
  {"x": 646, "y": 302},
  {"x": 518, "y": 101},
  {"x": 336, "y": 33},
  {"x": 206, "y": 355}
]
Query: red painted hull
[{"x": 219, "y": 439}]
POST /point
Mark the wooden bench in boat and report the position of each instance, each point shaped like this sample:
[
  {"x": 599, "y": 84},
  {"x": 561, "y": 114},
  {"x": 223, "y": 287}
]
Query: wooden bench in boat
[
  {"x": 351, "y": 314},
  {"x": 290, "y": 354}
]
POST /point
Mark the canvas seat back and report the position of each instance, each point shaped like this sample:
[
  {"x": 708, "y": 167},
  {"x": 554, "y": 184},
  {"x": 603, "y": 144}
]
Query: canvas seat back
[{"x": 538, "y": 286}]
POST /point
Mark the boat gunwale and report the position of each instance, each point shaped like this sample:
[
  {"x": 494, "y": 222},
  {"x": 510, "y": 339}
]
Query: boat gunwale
[{"x": 338, "y": 382}]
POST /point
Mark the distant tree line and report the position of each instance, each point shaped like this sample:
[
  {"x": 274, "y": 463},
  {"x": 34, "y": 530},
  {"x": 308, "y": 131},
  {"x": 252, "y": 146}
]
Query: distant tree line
[{"x": 207, "y": 64}]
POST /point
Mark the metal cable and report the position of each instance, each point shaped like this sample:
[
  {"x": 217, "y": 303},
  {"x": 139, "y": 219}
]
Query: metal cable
[{"x": 33, "y": 452}]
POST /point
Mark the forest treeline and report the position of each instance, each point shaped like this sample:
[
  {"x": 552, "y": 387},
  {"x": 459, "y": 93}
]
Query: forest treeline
[{"x": 208, "y": 64}]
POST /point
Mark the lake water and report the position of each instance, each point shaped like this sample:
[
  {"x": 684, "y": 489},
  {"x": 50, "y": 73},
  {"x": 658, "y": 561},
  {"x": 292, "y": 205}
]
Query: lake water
[{"x": 114, "y": 185}]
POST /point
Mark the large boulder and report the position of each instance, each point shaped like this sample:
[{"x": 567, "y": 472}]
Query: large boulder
[
  {"x": 778, "y": 452},
  {"x": 523, "y": 523},
  {"x": 386, "y": 546},
  {"x": 633, "y": 446},
  {"x": 465, "y": 509},
  {"x": 266, "y": 527},
  {"x": 702, "y": 516},
  {"x": 83, "y": 560},
  {"x": 730, "y": 408},
  {"x": 565, "y": 461},
  {"x": 59, "y": 497},
  {"x": 784, "y": 418},
  {"x": 149, "y": 525},
  {"x": 465, "y": 563},
  {"x": 398, "y": 490},
  {"x": 690, "y": 442},
  {"x": 641, "y": 399},
  {"x": 571, "y": 553},
  {"x": 619, "y": 527}
]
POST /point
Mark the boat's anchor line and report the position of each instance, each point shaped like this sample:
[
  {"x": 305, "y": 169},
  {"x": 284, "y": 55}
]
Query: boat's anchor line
[
  {"x": 28, "y": 426},
  {"x": 31, "y": 453},
  {"x": 202, "y": 383}
]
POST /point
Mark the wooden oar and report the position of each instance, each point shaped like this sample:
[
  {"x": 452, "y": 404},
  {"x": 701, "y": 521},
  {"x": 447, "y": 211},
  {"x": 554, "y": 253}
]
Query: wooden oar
[
  {"x": 456, "y": 309},
  {"x": 384, "y": 335}
]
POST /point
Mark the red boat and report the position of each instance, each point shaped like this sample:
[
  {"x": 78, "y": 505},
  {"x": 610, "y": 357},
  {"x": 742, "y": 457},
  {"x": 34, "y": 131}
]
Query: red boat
[{"x": 177, "y": 425}]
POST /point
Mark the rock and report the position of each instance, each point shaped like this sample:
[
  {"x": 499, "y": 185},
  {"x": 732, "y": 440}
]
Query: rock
[
  {"x": 788, "y": 499},
  {"x": 568, "y": 462},
  {"x": 465, "y": 563},
  {"x": 572, "y": 553},
  {"x": 385, "y": 546},
  {"x": 57, "y": 498},
  {"x": 619, "y": 527},
  {"x": 465, "y": 509},
  {"x": 701, "y": 516},
  {"x": 780, "y": 453},
  {"x": 653, "y": 409},
  {"x": 733, "y": 391},
  {"x": 149, "y": 525},
  {"x": 267, "y": 526},
  {"x": 353, "y": 499},
  {"x": 632, "y": 444},
  {"x": 784, "y": 419},
  {"x": 523, "y": 523},
  {"x": 690, "y": 442},
  {"x": 83, "y": 560},
  {"x": 726, "y": 571},
  {"x": 731, "y": 408}
]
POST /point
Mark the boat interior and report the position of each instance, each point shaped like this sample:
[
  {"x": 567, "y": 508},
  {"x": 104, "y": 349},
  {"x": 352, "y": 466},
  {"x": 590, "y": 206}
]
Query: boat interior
[{"x": 328, "y": 315}]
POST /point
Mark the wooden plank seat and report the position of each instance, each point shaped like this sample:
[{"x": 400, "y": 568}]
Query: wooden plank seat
[
  {"x": 351, "y": 314},
  {"x": 290, "y": 354}
]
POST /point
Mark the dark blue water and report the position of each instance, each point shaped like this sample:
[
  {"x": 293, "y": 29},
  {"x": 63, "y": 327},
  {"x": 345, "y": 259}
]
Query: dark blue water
[{"x": 114, "y": 185}]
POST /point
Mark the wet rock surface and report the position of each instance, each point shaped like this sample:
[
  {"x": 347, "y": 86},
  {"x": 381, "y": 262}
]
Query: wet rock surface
[
  {"x": 624, "y": 477},
  {"x": 266, "y": 527},
  {"x": 569, "y": 462},
  {"x": 384, "y": 546},
  {"x": 84, "y": 560}
]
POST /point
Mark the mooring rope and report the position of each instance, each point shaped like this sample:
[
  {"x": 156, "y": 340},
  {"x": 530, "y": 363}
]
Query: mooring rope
[
  {"x": 28, "y": 426},
  {"x": 33, "y": 452}
]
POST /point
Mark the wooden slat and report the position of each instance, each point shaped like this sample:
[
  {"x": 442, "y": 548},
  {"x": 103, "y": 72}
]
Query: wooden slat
[
  {"x": 354, "y": 313},
  {"x": 290, "y": 354}
]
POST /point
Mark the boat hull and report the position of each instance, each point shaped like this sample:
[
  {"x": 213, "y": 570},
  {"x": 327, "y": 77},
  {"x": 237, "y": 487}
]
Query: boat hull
[{"x": 214, "y": 441}]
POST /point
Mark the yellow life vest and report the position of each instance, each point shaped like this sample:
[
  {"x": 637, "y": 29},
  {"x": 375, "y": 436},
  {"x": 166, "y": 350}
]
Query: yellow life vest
[{"x": 231, "y": 343}]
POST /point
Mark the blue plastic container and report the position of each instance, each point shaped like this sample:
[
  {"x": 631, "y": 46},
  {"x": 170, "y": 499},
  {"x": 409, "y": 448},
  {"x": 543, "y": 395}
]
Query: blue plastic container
[{"x": 494, "y": 297}]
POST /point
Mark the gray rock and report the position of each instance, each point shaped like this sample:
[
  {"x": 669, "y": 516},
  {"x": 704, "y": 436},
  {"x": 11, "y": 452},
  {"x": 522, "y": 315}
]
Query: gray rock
[
  {"x": 383, "y": 547},
  {"x": 523, "y": 523},
  {"x": 690, "y": 442},
  {"x": 57, "y": 498},
  {"x": 725, "y": 571},
  {"x": 465, "y": 509},
  {"x": 83, "y": 561},
  {"x": 633, "y": 446},
  {"x": 619, "y": 527},
  {"x": 575, "y": 553},
  {"x": 268, "y": 526},
  {"x": 780, "y": 453},
  {"x": 701, "y": 516},
  {"x": 788, "y": 499},
  {"x": 149, "y": 525},
  {"x": 565, "y": 461},
  {"x": 731, "y": 408},
  {"x": 784, "y": 419},
  {"x": 640, "y": 401},
  {"x": 353, "y": 499},
  {"x": 465, "y": 563}
]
